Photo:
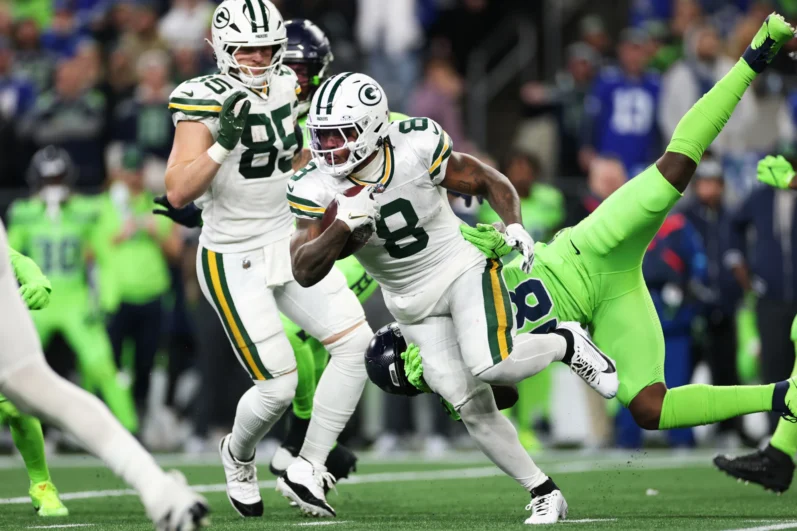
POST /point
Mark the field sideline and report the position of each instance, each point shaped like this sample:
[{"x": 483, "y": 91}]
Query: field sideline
[{"x": 608, "y": 490}]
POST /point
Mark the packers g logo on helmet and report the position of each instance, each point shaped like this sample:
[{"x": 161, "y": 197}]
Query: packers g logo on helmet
[
  {"x": 222, "y": 18},
  {"x": 370, "y": 94}
]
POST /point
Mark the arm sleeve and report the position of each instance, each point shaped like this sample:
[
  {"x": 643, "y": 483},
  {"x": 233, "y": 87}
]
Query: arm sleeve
[
  {"x": 194, "y": 102},
  {"x": 431, "y": 145},
  {"x": 307, "y": 197}
]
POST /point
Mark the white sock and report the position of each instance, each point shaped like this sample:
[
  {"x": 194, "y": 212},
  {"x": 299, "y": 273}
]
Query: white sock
[
  {"x": 36, "y": 389},
  {"x": 531, "y": 354},
  {"x": 497, "y": 439},
  {"x": 258, "y": 409},
  {"x": 337, "y": 394}
]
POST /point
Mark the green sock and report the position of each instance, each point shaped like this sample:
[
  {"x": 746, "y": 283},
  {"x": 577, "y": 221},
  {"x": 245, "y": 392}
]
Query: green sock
[
  {"x": 785, "y": 437},
  {"x": 704, "y": 121},
  {"x": 29, "y": 440},
  {"x": 305, "y": 389},
  {"x": 696, "y": 405}
]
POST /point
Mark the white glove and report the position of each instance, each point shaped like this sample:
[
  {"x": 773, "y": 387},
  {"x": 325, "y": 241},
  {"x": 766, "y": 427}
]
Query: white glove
[
  {"x": 357, "y": 211},
  {"x": 517, "y": 237}
]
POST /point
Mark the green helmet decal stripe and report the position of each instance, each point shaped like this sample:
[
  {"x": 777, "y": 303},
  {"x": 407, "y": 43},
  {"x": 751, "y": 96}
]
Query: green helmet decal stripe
[
  {"x": 321, "y": 92},
  {"x": 334, "y": 90},
  {"x": 265, "y": 14},
  {"x": 252, "y": 18}
]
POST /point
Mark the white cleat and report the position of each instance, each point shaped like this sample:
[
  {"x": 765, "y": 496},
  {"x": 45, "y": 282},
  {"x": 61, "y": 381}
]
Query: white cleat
[
  {"x": 242, "y": 489},
  {"x": 590, "y": 364},
  {"x": 547, "y": 509},
  {"x": 175, "y": 507},
  {"x": 303, "y": 484}
]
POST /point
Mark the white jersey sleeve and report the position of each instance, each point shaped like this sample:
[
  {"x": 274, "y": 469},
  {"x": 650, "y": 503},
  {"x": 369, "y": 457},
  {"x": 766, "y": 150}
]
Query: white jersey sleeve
[
  {"x": 198, "y": 100},
  {"x": 430, "y": 143},
  {"x": 309, "y": 193}
]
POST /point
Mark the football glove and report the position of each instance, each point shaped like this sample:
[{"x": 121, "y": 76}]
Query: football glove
[
  {"x": 232, "y": 120},
  {"x": 486, "y": 239},
  {"x": 517, "y": 238},
  {"x": 36, "y": 296},
  {"x": 775, "y": 171},
  {"x": 189, "y": 216},
  {"x": 357, "y": 211},
  {"x": 413, "y": 368}
]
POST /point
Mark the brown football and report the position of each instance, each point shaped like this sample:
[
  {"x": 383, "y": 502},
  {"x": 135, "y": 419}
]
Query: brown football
[{"x": 357, "y": 238}]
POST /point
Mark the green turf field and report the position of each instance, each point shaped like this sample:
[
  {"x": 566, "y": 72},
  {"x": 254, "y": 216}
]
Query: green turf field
[{"x": 605, "y": 491}]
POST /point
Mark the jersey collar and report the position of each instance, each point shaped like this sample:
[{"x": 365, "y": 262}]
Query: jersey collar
[{"x": 388, "y": 168}]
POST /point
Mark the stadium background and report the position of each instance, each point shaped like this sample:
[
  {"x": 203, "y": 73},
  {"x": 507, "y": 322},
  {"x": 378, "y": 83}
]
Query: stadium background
[{"x": 522, "y": 84}]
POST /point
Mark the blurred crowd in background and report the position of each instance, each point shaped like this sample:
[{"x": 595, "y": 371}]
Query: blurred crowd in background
[{"x": 568, "y": 98}]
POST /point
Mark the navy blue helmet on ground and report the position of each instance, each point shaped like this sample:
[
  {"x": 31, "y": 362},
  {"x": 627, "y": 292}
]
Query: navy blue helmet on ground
[{"x": 384, "y": 364}]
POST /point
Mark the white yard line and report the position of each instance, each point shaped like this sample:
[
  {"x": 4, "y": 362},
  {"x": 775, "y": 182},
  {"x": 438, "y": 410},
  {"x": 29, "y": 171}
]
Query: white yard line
[
  {"x": 59, "y": 526},
  {"x": 588, "y": 520},
  {"x": 324, "y": 522},
  {"x": 392, "y": 477},
  {"x": 773, "y": 527}
]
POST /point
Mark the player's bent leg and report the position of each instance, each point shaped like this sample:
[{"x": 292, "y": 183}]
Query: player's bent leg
[
  {"x": 330, "y": 312},
  {"x": 704, "y": 121},
  {"x": 448, "y": 375}
]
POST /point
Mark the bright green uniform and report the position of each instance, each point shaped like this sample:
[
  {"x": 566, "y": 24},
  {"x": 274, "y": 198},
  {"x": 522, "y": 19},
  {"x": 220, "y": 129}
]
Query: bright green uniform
[
  {"x": 311, "y": 356},
  {"x": 592, "y": 273},
  {"x": 60, "y": 245}
]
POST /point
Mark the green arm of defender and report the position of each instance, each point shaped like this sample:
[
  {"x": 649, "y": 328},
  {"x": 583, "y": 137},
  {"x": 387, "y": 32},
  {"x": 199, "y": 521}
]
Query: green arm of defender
[
  {"x": 34, "y": 288},
  {"x": 486, "y": 239},
  {"x": 777, "y": 172}
]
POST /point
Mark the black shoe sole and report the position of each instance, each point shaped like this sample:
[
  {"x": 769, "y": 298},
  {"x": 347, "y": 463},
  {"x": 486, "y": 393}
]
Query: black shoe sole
[
  {"x": 772, "y": 486},
  {"x": 299, "y": 494}
]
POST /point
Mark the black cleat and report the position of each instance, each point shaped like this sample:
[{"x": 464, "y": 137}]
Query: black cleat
[
  {"x": 770, "y": 468},
  {"x": 340, "y": 463}
]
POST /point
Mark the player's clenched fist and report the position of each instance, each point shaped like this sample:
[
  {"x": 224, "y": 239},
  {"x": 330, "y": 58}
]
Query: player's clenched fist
[
  {"x": 357, "y": 211},
  {"x": 232, "y": 120}
]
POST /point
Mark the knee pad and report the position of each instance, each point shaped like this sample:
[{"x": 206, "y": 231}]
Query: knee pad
[
  {"x": 277, "y": 392},
  {"x": 349, "y": 351}
]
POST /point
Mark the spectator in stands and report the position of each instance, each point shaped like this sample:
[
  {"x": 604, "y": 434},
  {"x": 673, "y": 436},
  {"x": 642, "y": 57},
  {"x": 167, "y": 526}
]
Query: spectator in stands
[
  {"x": 691, "y": 77},
  {"x": 437, "y": 97},
  {"x": 73, "y": 117},
  {"x": 541, "y": 204},
  {"x": 593, "y": 33},
  {"x": 41, "y": 11},
  {"x": 622, "y": 109},
  {"x": 30, "y": 57},
  {"x": 120, "y": 83},
  {"x": 185, "y": 24},
  {"x": 716, "y": 342},
  {"x": 768, "y": 269},
  {"x": 144, "y": 31},
  {"x": 390, "y": 34},
  {"x": 62, "y": 36},
  {"x": 187, "y": 64},
  {"x": 17, "y": 94},
  {"x": 605, "y": 176},
  {"x": 143, "y": 246},
  {"x": 144, "y": 119},
  {"x": 88, "y": 56}
]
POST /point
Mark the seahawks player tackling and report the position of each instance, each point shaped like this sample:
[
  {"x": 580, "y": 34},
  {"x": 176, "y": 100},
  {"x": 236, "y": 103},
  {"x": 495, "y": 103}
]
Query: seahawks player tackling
[{"x": 234, "y": 144}]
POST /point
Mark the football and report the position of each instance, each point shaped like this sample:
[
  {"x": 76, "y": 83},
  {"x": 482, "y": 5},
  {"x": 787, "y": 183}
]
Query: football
[{"x": 358, "y": 238}]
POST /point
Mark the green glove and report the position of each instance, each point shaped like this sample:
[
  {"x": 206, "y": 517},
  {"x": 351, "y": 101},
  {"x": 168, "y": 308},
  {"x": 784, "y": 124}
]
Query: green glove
[
  {"x": 413, "y": 368},
  {"x": 36, "y": 296},
  {"x": 486, "y": 239},
  {"x": 775, "y": 171},
  {"x": 231, "y": 126}
]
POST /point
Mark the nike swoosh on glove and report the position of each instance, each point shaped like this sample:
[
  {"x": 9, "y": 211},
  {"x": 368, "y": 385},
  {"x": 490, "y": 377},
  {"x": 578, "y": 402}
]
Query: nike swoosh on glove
[{"x": 357, "y": 211}]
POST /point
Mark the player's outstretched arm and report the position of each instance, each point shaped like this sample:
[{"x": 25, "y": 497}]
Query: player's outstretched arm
[
  {"x": 314, "y": 250},
  {"x": 468, "y": 175},
  {"x": 34, "y": 288},
  {"x": 196, "y": 158}
]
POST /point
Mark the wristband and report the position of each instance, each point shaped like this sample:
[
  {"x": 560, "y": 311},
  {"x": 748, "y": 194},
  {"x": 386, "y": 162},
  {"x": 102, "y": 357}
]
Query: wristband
[{"x": 218, "y": 153}]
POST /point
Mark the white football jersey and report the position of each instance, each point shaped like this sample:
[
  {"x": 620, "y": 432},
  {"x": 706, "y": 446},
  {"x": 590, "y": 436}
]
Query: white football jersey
[
  {"x": 245, "y": 207},
  {"x": 417, "y": 249}
]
